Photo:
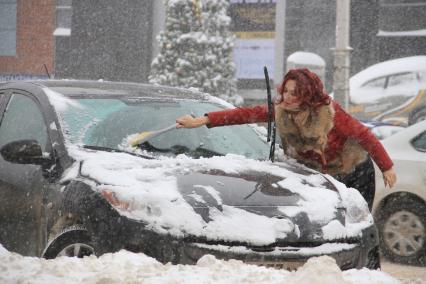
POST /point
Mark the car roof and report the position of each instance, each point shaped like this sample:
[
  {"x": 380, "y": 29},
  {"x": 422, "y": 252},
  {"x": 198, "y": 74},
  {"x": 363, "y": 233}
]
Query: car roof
[
  {"x": 385, "y": 68},
  {"x": 108, "y": 88}
]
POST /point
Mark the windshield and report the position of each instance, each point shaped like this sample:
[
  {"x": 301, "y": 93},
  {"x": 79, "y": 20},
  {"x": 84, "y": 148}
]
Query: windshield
[{"x": 109, "y": 122}]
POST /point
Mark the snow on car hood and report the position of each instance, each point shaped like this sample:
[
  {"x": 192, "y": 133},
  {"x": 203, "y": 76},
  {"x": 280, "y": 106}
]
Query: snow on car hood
[{"x": 158, "y": 192}]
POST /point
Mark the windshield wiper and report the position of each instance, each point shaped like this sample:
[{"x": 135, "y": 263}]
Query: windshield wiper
[
  {"x": 180, "y": 149},
  {"x": 207, "y": 153},
  {"x": 100, "y": 148}
]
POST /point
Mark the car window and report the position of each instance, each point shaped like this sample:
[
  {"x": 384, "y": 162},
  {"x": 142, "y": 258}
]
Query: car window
[
  {"x": 375, "y": 83},
  {"x": 422, "y": 76},
  {"x": 402, "y": 79},
  {"x": 109, "y": 122},
  {"x": 23, "y": 120},
  {"x": 420, "y": 142}
]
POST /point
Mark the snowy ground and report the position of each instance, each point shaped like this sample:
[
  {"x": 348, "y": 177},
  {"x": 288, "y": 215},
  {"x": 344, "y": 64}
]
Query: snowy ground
[
  {"x": 405, "y": 273},
  {"x": 126, "y": 267}
]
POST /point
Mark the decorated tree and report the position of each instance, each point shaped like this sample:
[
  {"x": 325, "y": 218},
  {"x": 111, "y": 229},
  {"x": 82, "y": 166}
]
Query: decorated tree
[{"x": 196, "y": 48}]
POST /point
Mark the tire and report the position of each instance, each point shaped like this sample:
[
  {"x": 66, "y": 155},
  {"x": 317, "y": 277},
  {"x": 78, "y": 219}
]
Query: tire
[
  {"x": 72, "y": 241},
  {"x": 373, "y": 260},
  {"x": 402, "y": 229},
  {"x": 417, "y": 116}
]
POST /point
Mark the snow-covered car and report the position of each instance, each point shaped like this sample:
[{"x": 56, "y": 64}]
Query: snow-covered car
[
  {"x": 400, "y": 212},
  {"x": 70, "y": 184},
  {"x": 392, "y": 91}
]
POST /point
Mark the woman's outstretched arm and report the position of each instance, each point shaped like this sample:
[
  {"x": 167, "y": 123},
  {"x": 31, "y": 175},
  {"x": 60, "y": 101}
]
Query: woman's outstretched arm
[
  {"x": 226, "y": 117},
  {"x": 188, "y": 121}
]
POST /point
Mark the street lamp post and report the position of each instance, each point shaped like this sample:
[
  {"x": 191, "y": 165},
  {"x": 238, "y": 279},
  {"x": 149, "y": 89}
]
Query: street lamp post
[
  {"x": 342, "y": 54},
  {"x": 279, "y": 41}
]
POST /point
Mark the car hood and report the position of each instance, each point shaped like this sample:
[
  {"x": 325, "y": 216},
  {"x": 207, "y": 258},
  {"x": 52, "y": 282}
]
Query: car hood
[{"x": 230, "y": 199}]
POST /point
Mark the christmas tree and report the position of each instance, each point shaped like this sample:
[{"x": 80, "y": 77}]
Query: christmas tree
[
  {"x": 196, "y": 49},
  {"x": 171, "y": 66},
  {"x": 219, "y": 63}
]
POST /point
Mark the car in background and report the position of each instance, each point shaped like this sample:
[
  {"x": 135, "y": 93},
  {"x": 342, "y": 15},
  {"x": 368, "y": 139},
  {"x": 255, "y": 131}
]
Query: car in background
[
  {"x": 71, "y": 185},
  {"x": 400, "y": 212},
  {"x": 392, "y": 91},
  {"x": 382, "y": 130}
]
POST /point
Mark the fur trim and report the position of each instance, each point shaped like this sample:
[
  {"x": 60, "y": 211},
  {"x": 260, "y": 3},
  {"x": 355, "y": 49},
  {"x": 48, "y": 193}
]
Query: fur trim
[
  {"x": 351, "y": 156},
  {"x": 308, "y": 130}
]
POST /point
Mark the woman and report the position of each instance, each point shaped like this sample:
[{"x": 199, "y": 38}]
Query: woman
[{"x": 316, "y": 131}]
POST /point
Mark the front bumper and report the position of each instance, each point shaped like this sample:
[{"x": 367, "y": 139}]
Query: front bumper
[{"x": 348, "y": 254}]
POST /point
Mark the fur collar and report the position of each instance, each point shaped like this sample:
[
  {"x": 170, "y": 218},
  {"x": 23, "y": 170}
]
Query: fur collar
[
  {"x": 305, "y": 130},
  {"x": 308, "y": 130}
]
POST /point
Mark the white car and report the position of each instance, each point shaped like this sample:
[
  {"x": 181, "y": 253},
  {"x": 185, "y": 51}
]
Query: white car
[
  {"x": 392, "y": 91},
  {"x": 400, "y": 212}
]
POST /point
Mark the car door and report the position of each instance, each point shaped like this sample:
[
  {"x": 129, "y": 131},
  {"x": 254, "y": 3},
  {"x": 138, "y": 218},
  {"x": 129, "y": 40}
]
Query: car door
[
  {"x": 419, "y": 143},
  {"x": 22, "y": 184}
]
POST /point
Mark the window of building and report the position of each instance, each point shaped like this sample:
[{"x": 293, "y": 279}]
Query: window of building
[
  {"x": 402, "y": 2},
  {"x": 8, "y": 27},
  {"x": 63, "y": 18},
  {"x": 402, "y": 18}
]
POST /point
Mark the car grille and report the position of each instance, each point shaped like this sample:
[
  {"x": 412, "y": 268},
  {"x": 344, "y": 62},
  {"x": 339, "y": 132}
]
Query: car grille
[{"x": 287, "y": 265}]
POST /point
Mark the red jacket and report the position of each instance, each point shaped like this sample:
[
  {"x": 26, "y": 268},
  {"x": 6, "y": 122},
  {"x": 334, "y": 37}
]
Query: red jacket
[{"x": 345, "y": 126}]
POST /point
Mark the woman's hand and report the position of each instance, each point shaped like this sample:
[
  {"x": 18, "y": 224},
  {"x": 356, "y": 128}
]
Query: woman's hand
[
  {"x": 188, "y": 121},
  {"x": 389, "y": 177}
]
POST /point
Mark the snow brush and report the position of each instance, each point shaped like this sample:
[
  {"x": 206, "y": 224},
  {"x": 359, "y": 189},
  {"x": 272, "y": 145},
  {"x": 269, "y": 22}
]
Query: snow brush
[{"x": 146, "y": 135}]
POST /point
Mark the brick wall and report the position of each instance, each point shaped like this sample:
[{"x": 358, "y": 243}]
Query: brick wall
[{"x": 34, "y": 39}]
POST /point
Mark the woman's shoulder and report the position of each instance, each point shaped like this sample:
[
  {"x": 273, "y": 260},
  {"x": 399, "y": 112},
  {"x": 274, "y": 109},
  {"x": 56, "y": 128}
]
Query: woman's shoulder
[
  {"x": 328, "y": 111},
  {"x": 339, "y": 112}
]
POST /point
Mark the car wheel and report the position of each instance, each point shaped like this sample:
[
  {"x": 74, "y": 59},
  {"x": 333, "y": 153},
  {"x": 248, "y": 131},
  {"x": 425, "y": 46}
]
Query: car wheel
[
  {"x": 72, "y": 241},
  {"x": 418, "y": 116},
  {"x": 402, "y": 228}
]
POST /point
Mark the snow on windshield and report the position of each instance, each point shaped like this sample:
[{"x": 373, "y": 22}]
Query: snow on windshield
[
  {"x": 127, "y": 267},
  {"x": 110, "y": 122},
  {"x": 59, "y": 101}
]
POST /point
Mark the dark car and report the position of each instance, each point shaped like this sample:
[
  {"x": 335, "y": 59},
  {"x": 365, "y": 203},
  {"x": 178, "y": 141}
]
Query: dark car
[{"x": 70, "y": 184}]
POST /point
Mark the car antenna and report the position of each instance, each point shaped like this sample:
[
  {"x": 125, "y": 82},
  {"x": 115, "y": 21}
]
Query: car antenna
[
  {"x": 47, "y": 72},
  {"x": 271, "y": 123}
]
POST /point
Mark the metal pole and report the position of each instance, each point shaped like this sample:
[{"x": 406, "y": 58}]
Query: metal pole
[
  {"x": 342, "y": 51},
  {"x": 158, "y": 23},
  {"x": 279, "y": 41}
]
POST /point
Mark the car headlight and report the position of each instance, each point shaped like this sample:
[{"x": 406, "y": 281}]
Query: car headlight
[
  {"x": 356, "y": 214},
  {"x": 112, "y": 198}
]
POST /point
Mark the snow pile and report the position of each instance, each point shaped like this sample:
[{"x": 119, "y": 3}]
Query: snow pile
[{"x": 127, "y": 267}]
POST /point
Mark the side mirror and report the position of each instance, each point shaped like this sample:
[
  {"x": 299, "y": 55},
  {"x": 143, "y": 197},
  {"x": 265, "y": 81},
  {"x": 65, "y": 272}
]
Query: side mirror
[{"x": 24, "y": 152}]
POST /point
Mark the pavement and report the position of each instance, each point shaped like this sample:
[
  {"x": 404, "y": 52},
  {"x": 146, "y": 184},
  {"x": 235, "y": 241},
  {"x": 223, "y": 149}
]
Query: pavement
[{"x": 407, "y": 274}]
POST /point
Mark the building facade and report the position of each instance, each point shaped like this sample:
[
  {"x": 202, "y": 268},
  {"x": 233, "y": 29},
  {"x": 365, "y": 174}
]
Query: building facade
[
  {"x": 108, "y": 39},
  {"x": 115, "y": 39},
  {"x": 379, "y": 30},
  {"x": 26, "y": 42}
]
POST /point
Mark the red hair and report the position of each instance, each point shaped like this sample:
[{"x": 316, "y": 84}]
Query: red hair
[{"x": 308, "y": 87}]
